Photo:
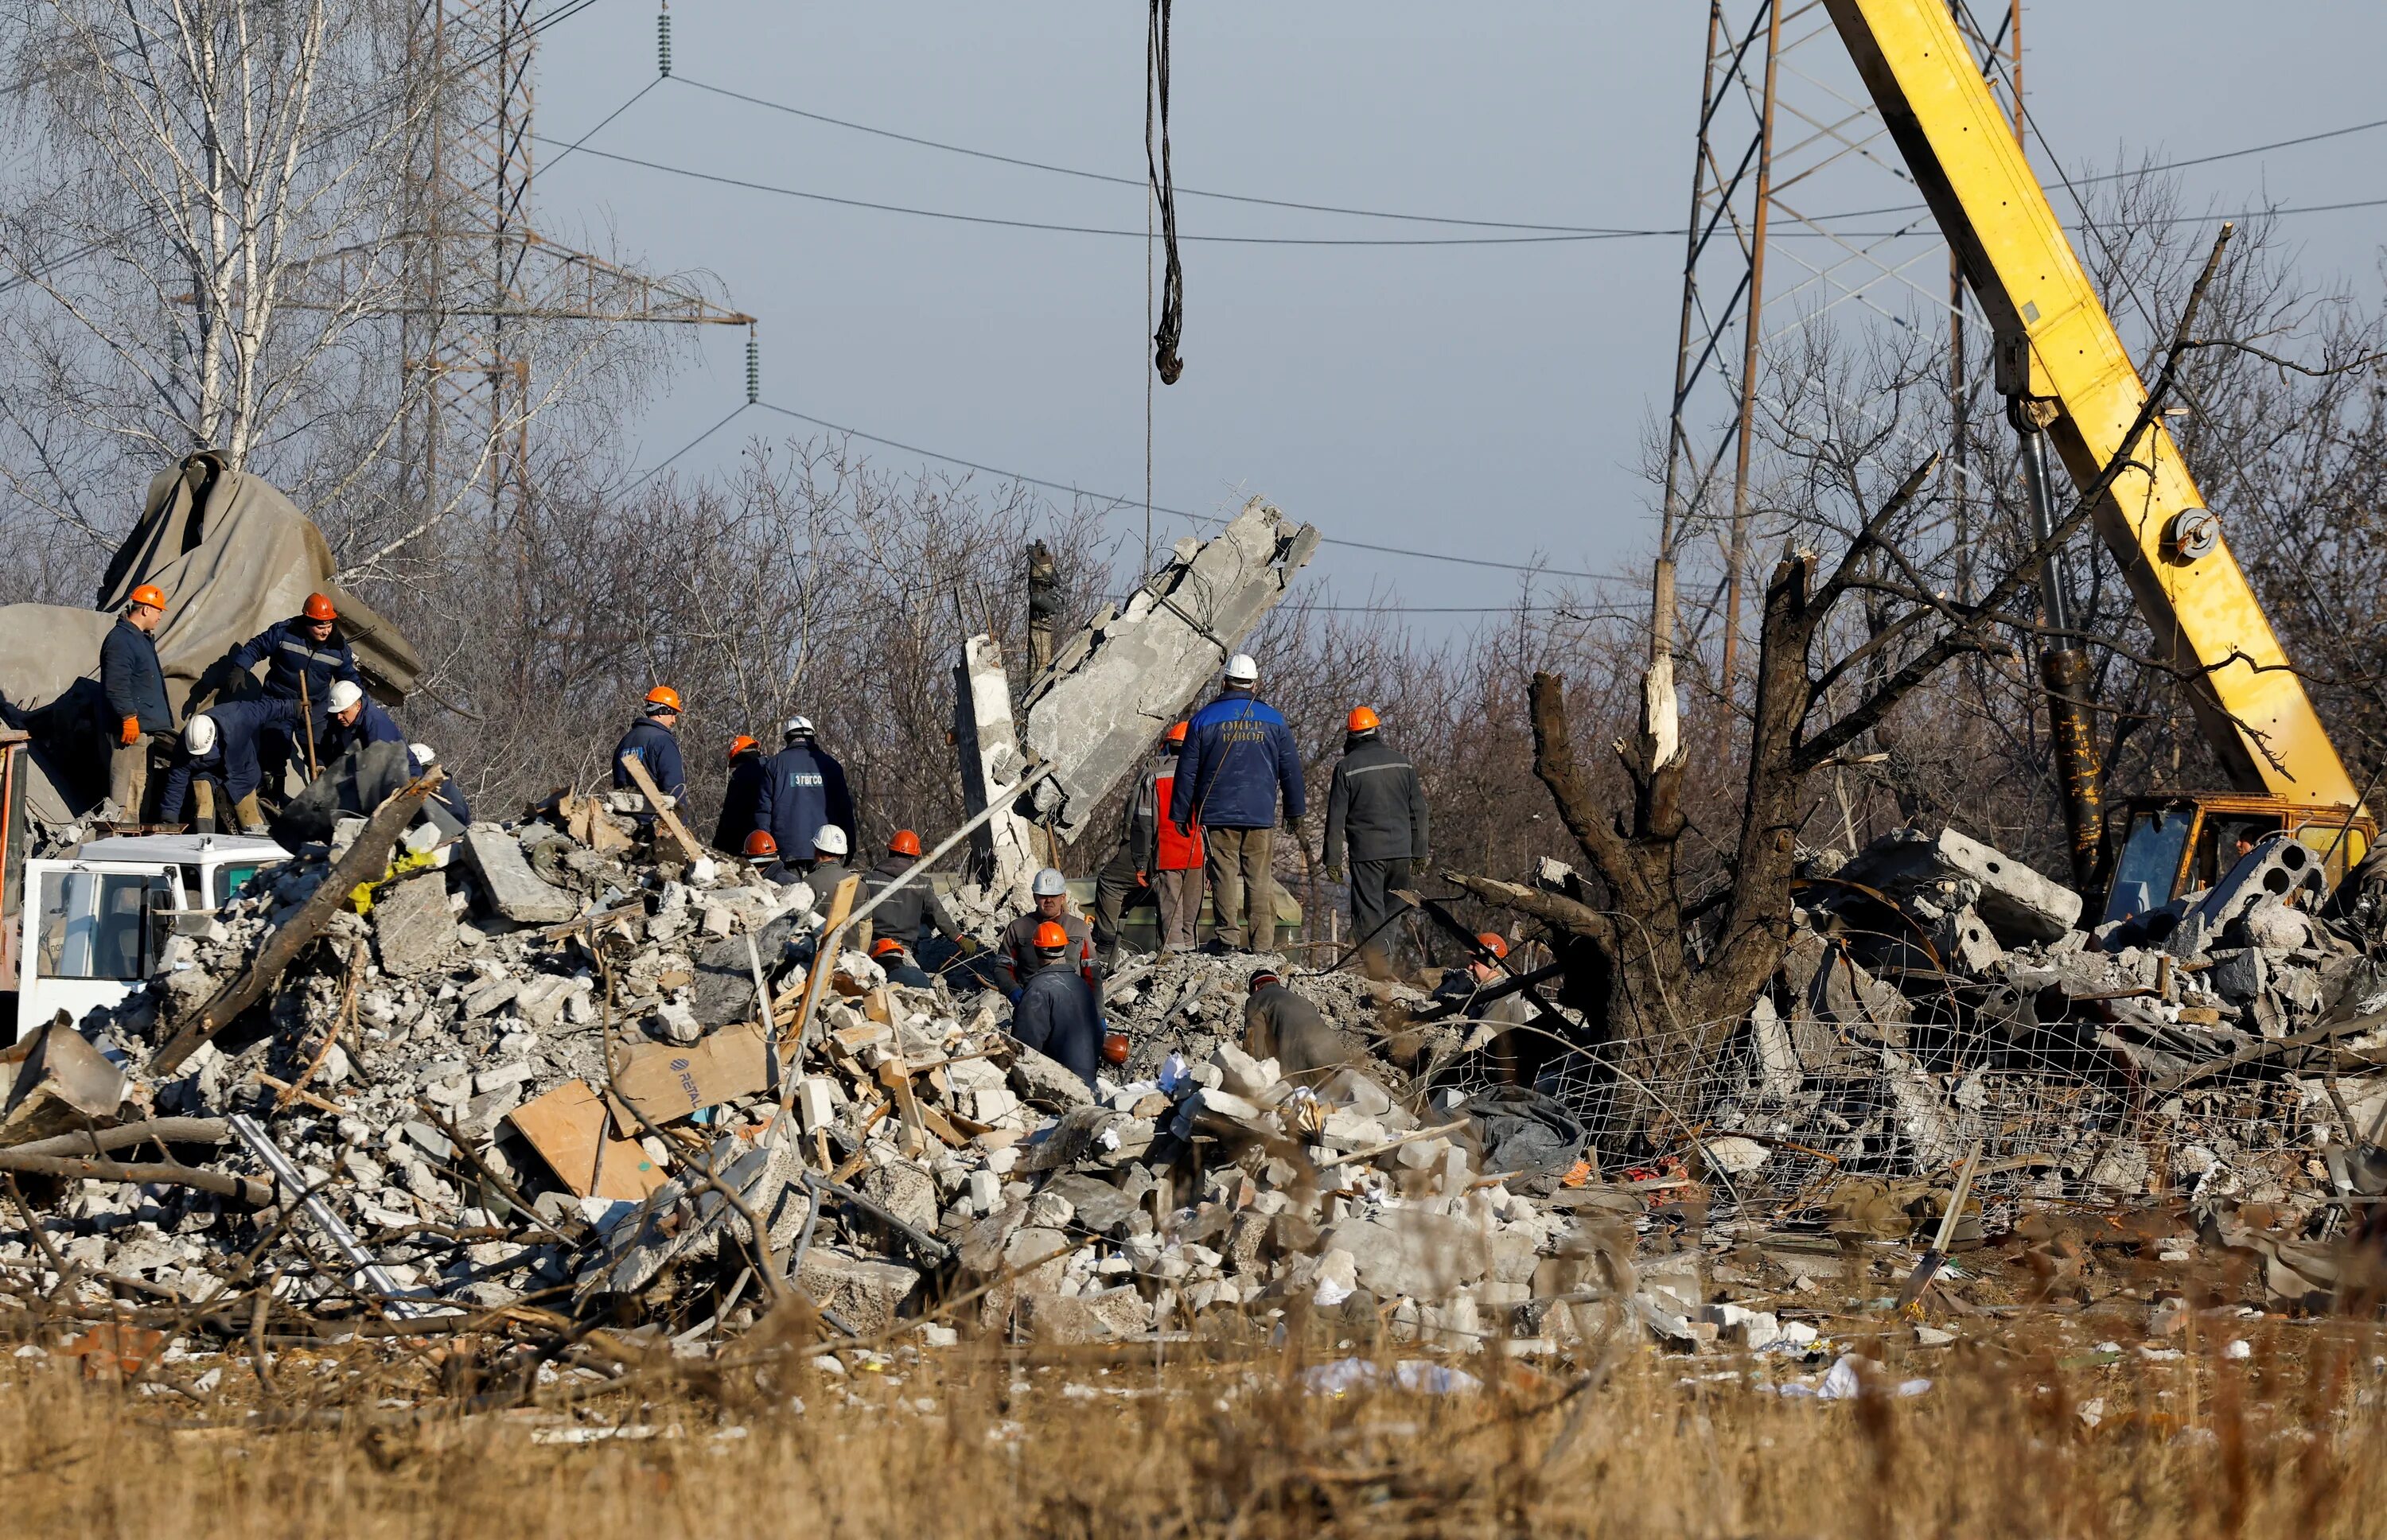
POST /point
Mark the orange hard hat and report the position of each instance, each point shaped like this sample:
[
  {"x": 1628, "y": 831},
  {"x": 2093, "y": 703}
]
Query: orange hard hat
[
  {"x": 1177, "y": 732},
  {"x": 905, "y": 843},
  {"x": 884, "y": 945},
  {"x": 320, "y": 608},
  {"x": 1492, "y": 943},
  {"x": 1051, "y": 937},
  {"x": 151, "y": 594},
  {"x": 740, "y": 744},
  {"x": 665, "y": 696},
  {"x": 1363, "y": 720},
  {"x": 761, "y": 843}
]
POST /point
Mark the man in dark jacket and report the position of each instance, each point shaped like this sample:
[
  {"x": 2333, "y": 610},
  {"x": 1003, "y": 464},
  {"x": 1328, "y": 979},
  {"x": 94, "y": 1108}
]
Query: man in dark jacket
[
  {"x": 354, "y": 721},
  {"x": 653, "y": 744},
  {"x": 1015, "y": 950},
  {"x": 303, "y": 659},
  {"x": 739, "y": 796},
  {"x": 913, "y": 905},
  {"x": 1281, "y": 1025},
  {"x": 1055, "y": 1013},
  {"x": 1153, "y": 862},
  {"x": 1239, "y": 757},
  {"x": 826, "y": 869},
  {"x": 225, "y": 744},
  {"x": 803, "y": 791},
  {"x": 895, "y": 960},
  {"x": 761, "y": 853},
  {"x": 1376, "y": 811},
  {"x": 133, "y": 683}
]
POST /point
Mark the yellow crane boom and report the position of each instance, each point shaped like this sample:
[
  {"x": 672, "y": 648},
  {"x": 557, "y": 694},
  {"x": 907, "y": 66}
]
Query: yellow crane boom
[{"x": 2058, "y": 346}]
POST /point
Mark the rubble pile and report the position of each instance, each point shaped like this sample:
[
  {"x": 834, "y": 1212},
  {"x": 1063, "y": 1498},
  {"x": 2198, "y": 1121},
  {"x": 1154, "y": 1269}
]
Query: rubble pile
[
  {"x": 1936, "y": 994},
  {"x": 527, "y": 1066}
]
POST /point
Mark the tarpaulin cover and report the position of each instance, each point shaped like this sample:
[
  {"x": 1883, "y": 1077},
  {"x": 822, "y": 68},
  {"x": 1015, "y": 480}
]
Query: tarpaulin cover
[{"x": 233, "y": 556}]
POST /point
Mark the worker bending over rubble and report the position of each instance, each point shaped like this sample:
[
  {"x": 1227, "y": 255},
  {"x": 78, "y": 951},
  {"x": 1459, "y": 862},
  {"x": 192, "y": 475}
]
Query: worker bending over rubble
[
  {"x": 303, "y": 660},
  {"x": 1460, "y": 986},
  {"x": 1281, "y": 1025},
  {"x": 1375, "y": 812},
  {"x": 1239, "y": 757},
  {"x": 225, "y": 744},
  {"x": 761, "y": 853},
  {"x": 1015, "y": 950},
  {"x": 451, "y": 792},
  {"x": 803, "y": 791},
  {"x": 739, "y": 796},
  {"x": 901, "y": 917},
  {"x": 1054, "y": 1011},
  {"x": 1154, "y": 861},
  {"x": 895, "y": 960},
  {"x": 133, "y": 683},
  {"x": 354, "y": 722}
]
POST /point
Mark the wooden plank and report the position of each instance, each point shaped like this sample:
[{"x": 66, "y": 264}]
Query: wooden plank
[
  {"x": 637, "y": 770},
  {"x": 570, "y": 1130}
]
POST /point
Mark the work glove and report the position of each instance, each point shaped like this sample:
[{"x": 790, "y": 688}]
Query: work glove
[
  {"x": 1013, "y": 995},
  {"x": 1333, "y": 872},
  {"x": 1143, "y": 879},
  {"x": 131, "y": 731}
]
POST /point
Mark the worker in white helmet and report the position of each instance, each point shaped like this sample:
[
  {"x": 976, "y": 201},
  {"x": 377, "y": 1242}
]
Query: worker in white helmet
[{"x": 1240, "y": 759}]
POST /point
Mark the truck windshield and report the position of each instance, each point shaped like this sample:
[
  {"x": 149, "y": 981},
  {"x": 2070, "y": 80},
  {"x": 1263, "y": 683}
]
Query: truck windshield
[
  {"x": 2150, "y": 863},
  {"x": 94, "y": 925}
]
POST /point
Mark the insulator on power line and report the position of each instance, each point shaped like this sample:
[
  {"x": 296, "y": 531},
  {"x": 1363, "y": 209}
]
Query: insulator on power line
[
  {"x": 663, "y": 41},
  {"x": 753, "y": 369}
]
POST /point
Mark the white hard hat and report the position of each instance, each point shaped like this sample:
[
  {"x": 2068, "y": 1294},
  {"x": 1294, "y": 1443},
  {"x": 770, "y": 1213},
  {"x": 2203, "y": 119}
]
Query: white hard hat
[
  {"x": 345, "y": 694},
  {"x": 1050, "y": 883},
  {"x": 830, "y": 840},
  {"x": 799, "y": 724},
  {"x": 1241, "y": 670},
  {"x": 199, "y": 734},
  {"x": 423, "y": 753}
]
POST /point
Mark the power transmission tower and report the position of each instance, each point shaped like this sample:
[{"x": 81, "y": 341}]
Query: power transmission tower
[
  {"x": 1794, "y": 165},
  {"x": 478, "y": 275}
]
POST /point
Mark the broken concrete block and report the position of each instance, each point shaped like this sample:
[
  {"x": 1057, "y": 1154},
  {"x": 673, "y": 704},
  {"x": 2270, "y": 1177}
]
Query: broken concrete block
[
  {"x": 515, "y": 890},
  {"x": 413, "y": 931},
  {"x": 56, "y": 1082},
  {"x": 1046, "y": 1083},
  {"x": 2277, "y": 866},
  {"x": 1412, "y": 1252},
  {"x": 2238, "y": 973},
  {"x": 1103, "y": 1317},
  {"x": 1117, "y": 685},
  {"x": 1778, "y": 1073},
  {"x": 863, "y": 1293}
]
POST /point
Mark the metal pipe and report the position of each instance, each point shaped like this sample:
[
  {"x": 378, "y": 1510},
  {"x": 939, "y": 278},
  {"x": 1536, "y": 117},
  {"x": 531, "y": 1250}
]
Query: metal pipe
[
  {"x": 260, "y": 1144},
  {"x": 2056, "y": 598}
]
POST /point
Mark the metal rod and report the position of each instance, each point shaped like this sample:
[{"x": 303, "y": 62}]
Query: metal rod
[
  {"x": 260, "y": 1144},
  {"x": 2055, "y": 598}
]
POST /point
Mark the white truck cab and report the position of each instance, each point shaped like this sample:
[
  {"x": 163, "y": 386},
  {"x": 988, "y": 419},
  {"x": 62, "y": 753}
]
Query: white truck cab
[{"x": 95, "y": 924}]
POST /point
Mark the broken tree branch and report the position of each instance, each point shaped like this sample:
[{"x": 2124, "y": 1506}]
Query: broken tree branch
[{"x": 365, "y": 860}]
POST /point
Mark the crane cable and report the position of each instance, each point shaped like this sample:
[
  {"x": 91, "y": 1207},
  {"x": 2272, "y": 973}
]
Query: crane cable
[{"x": 1165, "y": 336}]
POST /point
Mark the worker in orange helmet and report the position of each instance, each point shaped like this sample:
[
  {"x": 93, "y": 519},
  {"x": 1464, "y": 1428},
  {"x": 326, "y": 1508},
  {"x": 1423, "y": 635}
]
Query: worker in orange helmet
[
  {"x": 895, "y": 960},
  {"x": 141, "y": 721},
  {"x": 1154, "y": 862},
  {"x": 651, "y": 741},
  {"x": 1056, "y": 1013},
  {"x": 741, "y": 797},
  {"x": 904, "y": 914},
  {"x": 304, "y": 657},
  {"x": 1375, "y": 814},
  {"x": 761, "y": 853},
  {"x": 1462, "y": 988}
]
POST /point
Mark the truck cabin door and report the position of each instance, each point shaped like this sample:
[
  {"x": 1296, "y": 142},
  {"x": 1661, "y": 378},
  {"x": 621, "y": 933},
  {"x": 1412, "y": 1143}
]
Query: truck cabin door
[{"x": 93, "y": 931}]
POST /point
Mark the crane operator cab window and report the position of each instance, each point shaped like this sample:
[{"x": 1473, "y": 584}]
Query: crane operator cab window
[
  {"x": 2225, "y": 843},
  {"x": 2150, "y": 860}
]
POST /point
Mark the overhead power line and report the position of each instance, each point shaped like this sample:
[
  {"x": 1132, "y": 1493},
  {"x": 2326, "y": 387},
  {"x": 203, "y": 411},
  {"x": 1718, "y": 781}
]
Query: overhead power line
[
  {"x": 1117, "y": 501},
  {"x": 1000, "y": 221},
  {"x": 1084, "y": 175}
]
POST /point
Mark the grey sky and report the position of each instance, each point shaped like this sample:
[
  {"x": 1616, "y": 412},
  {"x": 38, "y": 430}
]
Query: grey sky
[{"x": 1477, "y": 400}]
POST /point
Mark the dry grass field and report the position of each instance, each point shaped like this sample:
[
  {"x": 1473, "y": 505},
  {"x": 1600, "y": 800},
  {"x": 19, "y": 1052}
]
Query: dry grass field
[{"x": 2027, "y": 1430}]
